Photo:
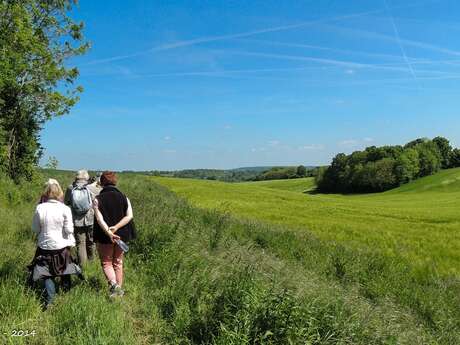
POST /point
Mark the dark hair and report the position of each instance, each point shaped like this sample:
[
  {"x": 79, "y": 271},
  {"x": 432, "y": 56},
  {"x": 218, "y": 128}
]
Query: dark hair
[{"x": 108, "y": 178}]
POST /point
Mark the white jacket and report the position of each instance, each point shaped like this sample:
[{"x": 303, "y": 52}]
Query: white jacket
[{"x": 53, "y": 223}]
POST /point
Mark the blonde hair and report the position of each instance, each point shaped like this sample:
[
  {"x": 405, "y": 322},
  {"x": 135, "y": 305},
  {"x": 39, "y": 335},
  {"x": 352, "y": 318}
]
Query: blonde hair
[
  {"x": 82, "y": 175},
  {"x": 53, "y": 191},
  {"x": 51, "y": 181}
]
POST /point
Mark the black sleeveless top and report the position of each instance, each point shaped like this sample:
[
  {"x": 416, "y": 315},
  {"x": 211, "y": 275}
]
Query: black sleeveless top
[{"x": 113, "y": 206}]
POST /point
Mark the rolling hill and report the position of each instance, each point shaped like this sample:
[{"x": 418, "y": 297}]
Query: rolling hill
[
  {"x": 419, "y": 220},
  {"x": 205, "y": 277}
]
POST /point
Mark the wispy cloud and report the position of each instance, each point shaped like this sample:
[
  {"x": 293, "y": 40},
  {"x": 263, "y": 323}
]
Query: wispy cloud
[
  {"x": 258, "y": 149},
  {"x": 209, "y": 39},
  {"x": 385, "y": 81},
  {"x": 376, "y": 35},
  {"x": 398, "y": 40},
  {"x": 258, "y": 32},
  {"x": 327, "y": 49},
  {"x": 115, "y": 58},
  {"x": 355, "y": 143},
  {"x": 274, "y": 143},
  {"x": 311, "y": 147},
  {"x": 334, "y": 62},
  {"x": 348, "y": 143}
]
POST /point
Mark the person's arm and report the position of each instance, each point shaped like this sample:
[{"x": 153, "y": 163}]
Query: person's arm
[
  {"x": 100, "y": 220},
  {"x": 125, "y": 220},
  {"x": 68, "y": 221},
  {"x": 36, "y": 227}
]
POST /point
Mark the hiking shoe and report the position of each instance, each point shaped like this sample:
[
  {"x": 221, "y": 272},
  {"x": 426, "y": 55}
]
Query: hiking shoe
[{"x": 116, "y": 291}]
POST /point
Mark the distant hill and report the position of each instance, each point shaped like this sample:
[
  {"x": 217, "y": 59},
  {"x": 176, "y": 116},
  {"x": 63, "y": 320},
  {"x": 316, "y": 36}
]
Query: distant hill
[
  {"x": 227, "y": 175},
  {"x": 255, "y": 169}
]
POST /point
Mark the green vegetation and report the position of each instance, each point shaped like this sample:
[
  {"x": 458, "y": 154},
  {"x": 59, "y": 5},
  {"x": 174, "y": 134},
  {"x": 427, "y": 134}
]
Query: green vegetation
[
  {"x": 204, "y": 277},
  {"x": 37, "y": 38},
  {"x": 230, "y": 175},
  {"x": 378, "y": 169},
  {"x": 302, "y": 185},
  {"x": 419, "y": 221},
  {"x": 280, "y": 173},
  {"x": 239, "y": 174}
]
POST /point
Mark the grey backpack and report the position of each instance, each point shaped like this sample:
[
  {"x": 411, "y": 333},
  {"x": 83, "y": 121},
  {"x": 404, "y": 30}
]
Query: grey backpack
[{"x": 81, "y": 200}]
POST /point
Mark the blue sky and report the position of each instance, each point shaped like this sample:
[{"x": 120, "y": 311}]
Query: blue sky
[{"x": 223, "y": 84}]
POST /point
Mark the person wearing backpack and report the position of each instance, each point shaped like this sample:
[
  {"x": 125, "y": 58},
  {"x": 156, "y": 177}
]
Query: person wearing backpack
[{"x": 80, "y": 199}]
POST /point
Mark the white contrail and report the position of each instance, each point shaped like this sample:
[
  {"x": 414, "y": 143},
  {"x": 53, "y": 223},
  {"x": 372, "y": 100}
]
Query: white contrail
[
  {"x": 308, "y": 46},
  {"x": 398, "y": 39},
  {"x": 225, "y": 72},
  {"x": 243, "y": 73},
  {"x": 257, "y": 32},
  {"x": 195, "y": 41},
  {"x": 406, "y": 42},
  {"x": 114, "y": 58},
  {"x": 318, "y": 60},
  {"x": 192, "y": 42}
]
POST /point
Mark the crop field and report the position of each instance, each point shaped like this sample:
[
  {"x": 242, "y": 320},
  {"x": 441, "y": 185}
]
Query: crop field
[
  {"x": 301, "y": 185},
  {"x": 419, "y": 221}
]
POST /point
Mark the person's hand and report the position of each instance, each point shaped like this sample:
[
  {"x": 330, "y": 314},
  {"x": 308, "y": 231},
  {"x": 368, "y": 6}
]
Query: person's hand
[
  {"x": 113, "y": 229},
  {"x": 113, "y": 237}
]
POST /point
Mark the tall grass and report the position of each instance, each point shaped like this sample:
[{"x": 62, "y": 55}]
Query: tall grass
[
  {"x": 419, "y": 221},
  {"x": 204, "y": 277}
]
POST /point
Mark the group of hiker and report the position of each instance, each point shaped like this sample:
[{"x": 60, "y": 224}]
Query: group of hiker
[{"x": 93, "y": 214}]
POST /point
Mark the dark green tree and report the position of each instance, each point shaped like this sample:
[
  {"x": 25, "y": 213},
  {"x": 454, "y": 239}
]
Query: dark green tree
[
  {"x": 445, "y": 150},
  {"x": 37, "y": 37},
  {"x": 301, "y": 171},
  {"x": 455, "y": 158},
  {"x": 429, "y": 158},
  {"x": 384, "y": 177},
  {"x": 416, "y": 142},
  {"x": 335, "y": 178},
  {"x": 380, "y": 168},
  {"x": 407, "y": 166}
]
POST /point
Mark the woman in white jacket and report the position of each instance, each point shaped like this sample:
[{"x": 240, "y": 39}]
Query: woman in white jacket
[{"x": 53, "y": 225}]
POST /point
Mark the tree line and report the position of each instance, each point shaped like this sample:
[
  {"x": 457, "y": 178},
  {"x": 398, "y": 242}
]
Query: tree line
[
  {"x": 230, "y": 175},
  {"x": 282, "y": 173},
  {"x": 377, "y": 169},
  {"x": 240, "y": 174}
]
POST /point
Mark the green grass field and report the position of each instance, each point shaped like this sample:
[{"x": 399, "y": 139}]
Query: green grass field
[
  {"x": 420, "y": 221},
  {"x": 198, "y": 276},
  {"x": 295, "y": 185}
]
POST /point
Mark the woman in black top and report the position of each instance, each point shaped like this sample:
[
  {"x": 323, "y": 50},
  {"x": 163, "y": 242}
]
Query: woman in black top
[{"x": 114, "y": 216}]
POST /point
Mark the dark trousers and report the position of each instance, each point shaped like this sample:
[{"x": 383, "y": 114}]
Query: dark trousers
[
  {"x": 85, "y": 243},
  {"x": 50, "y": 287}
]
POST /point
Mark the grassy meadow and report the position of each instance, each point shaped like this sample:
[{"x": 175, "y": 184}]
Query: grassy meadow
[
  {"x": 197, "y": 276},
  {"x": 294, "y": 185},
  {"x": 419, "y": 221}
]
